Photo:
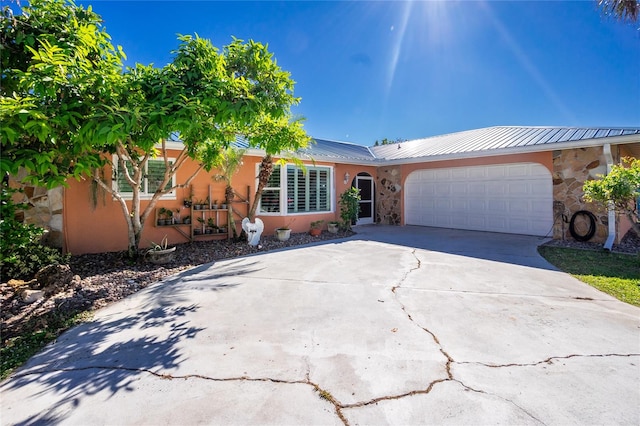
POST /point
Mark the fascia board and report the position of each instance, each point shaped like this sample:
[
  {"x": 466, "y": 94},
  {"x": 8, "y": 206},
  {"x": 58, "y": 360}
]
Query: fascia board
[
  {"x": 587, "y": 143},
  {"x": 614, "y": 140}
]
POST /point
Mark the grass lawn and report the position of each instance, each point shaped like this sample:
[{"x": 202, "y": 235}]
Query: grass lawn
[{"x": 613, "y": 273}]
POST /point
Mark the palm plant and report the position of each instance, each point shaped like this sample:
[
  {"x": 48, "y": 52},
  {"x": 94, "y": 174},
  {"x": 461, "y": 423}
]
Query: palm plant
[{"x": 228, "y": 163}]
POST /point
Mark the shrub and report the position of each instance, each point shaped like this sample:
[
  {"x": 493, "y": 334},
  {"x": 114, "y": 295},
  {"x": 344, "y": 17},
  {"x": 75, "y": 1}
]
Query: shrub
[
  {"x": 349, "y": 206},
  {"x": 21, "y": 253}
]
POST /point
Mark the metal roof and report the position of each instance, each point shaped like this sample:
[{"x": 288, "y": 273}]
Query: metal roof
[
  {"x": 494, "y": 140},
  {"x": 489, "y": 141},
  {"x": 321, "y": 148}
]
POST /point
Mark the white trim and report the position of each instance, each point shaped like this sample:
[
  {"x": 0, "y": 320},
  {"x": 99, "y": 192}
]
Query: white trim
[
  {"x": 283, "y": 191},
  {"x": 369, "y": 220},
  {"x": 375, "y": 162},
  {"x": 143, "y": 194},
  {"x": 611, "y": 214}
]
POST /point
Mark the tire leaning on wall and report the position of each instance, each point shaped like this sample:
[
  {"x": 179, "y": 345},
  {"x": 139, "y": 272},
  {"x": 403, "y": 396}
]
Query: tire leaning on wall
[{"x": 579, "y": 234}]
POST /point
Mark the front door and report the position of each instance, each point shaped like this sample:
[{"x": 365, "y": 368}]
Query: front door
[{"x": 365, "y": 185}]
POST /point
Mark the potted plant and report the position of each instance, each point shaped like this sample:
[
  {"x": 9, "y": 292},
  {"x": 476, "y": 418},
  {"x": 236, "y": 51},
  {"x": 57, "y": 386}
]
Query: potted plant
[
  {"x": 160, "y": 253},
  {"x": 349, "y": 206},
  {"x": 188, "y": 201},
  {"x": 164, "y": 216},
  {"x": 200, "y": 229},
  {"x": 333, "y": 226},
  {"x": 160, "y": 219},
  {"x": 211, "y": 226},
  {"x": 316, "y": 227},
  {"x": 283, "y": 233},
  {"x": 187, "y": 220}
]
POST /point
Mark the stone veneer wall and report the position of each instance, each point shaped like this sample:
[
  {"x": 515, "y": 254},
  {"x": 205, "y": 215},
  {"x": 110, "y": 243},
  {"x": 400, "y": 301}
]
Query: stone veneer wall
[
  {"x": 571, "y": 168},
  {"x": 388, "y": 195},
  {"x": 45, "y": 211}
]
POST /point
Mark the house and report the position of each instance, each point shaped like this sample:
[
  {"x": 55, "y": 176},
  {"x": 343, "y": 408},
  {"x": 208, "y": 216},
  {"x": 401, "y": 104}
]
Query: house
[{"x": 522, "y": 180}]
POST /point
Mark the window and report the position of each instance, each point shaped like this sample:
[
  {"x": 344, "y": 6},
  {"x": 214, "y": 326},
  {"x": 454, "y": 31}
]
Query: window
[
  {"x": 308, "y": 192},
  {"x": 301, "y": 191},
  {"x": 270, "y": 201},
  {"x": 150, "y": 182}
]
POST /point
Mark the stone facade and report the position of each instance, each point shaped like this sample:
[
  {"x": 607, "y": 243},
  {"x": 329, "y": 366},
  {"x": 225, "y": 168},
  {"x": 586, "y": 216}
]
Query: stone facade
[
  {"x": 45, "y": 210},
  {"x": 571, "y": 168},
  {"x": 388, "y": 196}
]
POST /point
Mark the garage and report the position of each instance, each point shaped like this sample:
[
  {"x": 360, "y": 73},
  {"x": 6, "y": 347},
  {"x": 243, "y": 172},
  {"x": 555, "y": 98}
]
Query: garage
[{"x": 510, "y": 198}]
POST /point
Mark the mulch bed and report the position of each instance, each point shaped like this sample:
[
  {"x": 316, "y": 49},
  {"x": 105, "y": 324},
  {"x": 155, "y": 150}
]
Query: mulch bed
[{"x": 630, "y": 244}]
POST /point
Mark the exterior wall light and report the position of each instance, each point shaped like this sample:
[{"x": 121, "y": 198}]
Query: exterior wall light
[{"x": 346, "y": 177}]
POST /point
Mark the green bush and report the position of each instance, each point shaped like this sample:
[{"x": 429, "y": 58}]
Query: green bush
[
  {"x": 21, "y": 253},
  {"x": 349, "y": 206}
]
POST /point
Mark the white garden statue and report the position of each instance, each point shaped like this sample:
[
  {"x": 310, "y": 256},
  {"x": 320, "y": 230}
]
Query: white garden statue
[{"x": 253, "y": 230}]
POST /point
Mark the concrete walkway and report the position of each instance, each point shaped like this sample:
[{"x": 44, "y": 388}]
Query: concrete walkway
[{"x": 399, "y": 325}]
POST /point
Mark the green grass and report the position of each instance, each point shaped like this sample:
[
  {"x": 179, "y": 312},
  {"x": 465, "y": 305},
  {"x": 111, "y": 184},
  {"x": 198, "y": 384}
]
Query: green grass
[
  {"x": 613, "y": 273},
  {"x": 17, "y": 350}
]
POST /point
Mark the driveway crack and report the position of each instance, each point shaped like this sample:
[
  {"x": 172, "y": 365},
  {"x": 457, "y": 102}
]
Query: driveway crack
[
  {"x": 548, "y": 360},
  {"x": 404, "y": 309},
  {"x": 322, "y": 393},
  {"x": 469, "y": 388}
]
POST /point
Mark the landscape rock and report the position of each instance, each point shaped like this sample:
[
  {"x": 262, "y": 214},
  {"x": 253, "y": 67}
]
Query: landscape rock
[
  {"x": 54, "y": 278},
  {"x": 31, "y": 296}
]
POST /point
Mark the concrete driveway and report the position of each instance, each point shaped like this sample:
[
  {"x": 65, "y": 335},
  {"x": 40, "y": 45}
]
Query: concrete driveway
[{"x": 399, "y": 325}]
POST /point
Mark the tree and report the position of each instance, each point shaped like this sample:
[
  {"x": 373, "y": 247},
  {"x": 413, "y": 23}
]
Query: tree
[
  {"x": 228, "y": 164},
  {"x": 620, "y": 189},
  {"x": 624, "y": 10},
  {"x": 386, "y": 141},
  {"x": 276, "y": 136},
  {"x": 58, "y": 66},
  {"x": 204, "y": 96}
]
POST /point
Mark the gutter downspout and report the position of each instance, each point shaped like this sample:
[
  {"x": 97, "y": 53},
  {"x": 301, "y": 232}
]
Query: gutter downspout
[{"x": 608, "y": 245}]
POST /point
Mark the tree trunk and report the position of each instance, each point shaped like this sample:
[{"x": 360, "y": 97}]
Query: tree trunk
[
  {"x": 266, "y": 168},
  {"x": 228, "y": 198}
]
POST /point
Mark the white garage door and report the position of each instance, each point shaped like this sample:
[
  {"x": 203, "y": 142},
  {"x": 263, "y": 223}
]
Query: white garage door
[{"x": 511, "y": 198}]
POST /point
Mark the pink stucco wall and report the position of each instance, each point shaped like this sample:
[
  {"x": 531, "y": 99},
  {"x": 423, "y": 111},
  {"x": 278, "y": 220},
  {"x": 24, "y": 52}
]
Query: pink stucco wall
[{"x": 104, "y": 228}]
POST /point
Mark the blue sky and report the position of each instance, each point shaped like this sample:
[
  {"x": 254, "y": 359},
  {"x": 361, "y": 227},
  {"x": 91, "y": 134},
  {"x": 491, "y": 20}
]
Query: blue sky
[{"x": 372, "y": 70}]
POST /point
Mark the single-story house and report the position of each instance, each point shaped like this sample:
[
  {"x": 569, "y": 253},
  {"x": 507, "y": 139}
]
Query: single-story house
[{"x": 522, "y": 180}]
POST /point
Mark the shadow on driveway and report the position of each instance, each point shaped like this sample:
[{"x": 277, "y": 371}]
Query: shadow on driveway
[
  {"x": 112, "y": 352},
  {"x": 506, "y": 248}
]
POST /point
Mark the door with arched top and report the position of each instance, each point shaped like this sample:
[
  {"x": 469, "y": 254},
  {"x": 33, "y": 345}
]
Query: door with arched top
[{"x": 364, "y": 182}]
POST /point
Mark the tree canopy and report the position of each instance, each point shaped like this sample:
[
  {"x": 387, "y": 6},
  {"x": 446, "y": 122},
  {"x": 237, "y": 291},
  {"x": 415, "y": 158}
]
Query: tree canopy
[
  {"x": 620, "y": 189},
  {"x": 58, "y": 70},
  {"x": 623, "y": 10},
  {"x": 68, "y": 105}
]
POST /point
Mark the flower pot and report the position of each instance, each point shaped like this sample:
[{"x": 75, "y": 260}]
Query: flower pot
[
  {"x": 160, "y": 257},
  {"x": 333, "y": 228},
  {"x": 315, "y": 232},
  {"x": 283, "y": 234}
]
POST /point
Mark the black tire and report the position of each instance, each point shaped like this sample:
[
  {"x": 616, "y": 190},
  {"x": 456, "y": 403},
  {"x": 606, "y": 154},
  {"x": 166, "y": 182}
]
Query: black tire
[{"x": 591, "y": 231}]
